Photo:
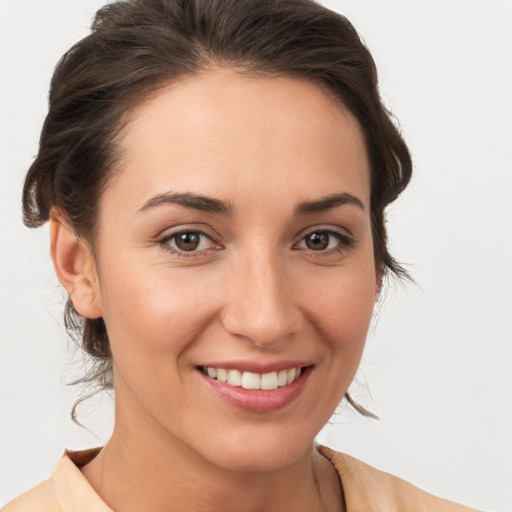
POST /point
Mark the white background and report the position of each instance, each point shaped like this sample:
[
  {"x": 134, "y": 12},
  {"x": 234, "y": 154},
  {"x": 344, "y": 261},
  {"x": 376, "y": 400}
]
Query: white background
[{"x": 439, "y": 356}]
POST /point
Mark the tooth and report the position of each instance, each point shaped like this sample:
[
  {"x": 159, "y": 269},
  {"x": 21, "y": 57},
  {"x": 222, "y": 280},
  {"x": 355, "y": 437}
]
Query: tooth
[
  {"x": 222, "y": 375},
  {"x": 269, "y": 381},
  {"x": 282, "y": 378},
  {"x": 250, "y": 380},
  {"x": 291, "y": 375},
  {"x": 234, "y": 378}
]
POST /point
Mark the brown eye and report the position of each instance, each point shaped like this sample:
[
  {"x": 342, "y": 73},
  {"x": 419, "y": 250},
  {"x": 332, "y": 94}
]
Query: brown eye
[
  {"x": 325, "y": 241},
  {"x": 317, "y": 241},
  {"x": 188, "y": 241}
]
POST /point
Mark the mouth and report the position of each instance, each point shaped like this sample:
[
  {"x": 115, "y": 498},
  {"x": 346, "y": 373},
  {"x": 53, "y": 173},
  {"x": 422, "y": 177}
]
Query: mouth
[{"x": 256, "y": 392}]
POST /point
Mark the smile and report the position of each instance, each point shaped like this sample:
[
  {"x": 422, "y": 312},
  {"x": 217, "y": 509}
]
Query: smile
[
  {"x": 256, "y": 388},
  {"x": 251, "y": 380}
]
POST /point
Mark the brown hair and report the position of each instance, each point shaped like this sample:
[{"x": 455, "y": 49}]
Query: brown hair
[{"x": 136, "y": 47}]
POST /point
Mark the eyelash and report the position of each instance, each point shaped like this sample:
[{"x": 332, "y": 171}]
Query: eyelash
[
  {"x": 164, "y": 243},
  {"x": 344, "y": 243}
]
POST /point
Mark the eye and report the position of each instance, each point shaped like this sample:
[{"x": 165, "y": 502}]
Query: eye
[
  {"x": 324, "y": 241},
  {"x": 188, "y": 241}
]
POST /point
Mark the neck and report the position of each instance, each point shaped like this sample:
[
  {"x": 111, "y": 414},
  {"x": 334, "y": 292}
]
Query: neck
[{"x": 158, "y": 473}]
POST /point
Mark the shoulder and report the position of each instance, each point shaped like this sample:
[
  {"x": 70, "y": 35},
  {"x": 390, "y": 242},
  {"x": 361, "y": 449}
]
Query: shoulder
[
  {"x": 66, "y": 490},
  {"x": 367, "y": 488},
  {"x": 39, "y": 499}
]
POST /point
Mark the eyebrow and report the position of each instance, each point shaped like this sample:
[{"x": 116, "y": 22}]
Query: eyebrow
[
  {"x": 211, "y": 205},
  {"x": 327, "y": 203},
  {"x": 189, "y": 200}
]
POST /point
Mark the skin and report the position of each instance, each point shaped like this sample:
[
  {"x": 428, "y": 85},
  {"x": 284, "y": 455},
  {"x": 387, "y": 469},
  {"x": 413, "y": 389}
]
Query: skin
[{"x": 252, "y": 291}]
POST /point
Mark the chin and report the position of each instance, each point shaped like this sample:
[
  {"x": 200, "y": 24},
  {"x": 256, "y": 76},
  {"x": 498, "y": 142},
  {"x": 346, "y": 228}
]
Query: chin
[{"x": 258, "y": 451}]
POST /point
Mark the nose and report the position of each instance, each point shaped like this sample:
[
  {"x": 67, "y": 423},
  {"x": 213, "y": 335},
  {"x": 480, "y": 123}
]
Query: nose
[{"x": 261, "y": 305}]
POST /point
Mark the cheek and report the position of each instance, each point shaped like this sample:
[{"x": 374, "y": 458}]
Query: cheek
[
  {"x": 153, "y": 323},
  {"x": 343, "y": 306},
  {"x": 340, "y": 309},
  {"x": 153, "y": 311}
]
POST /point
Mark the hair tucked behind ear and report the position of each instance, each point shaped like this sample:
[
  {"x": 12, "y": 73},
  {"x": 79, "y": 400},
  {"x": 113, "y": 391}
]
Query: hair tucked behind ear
[{"x": 136, "y": 47}]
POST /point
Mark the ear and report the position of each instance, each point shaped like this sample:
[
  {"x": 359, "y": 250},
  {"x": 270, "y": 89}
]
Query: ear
[{"x": 75, "y": 267}]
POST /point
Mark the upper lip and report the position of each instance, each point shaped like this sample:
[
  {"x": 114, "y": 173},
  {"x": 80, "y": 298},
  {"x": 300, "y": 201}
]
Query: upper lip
[{"x": 257, "y": 367}]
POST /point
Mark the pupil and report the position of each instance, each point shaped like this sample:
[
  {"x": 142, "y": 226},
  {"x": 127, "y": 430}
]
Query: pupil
[
  {"x": 187, "y": 241},
  {"x": 317, "y": 241}
]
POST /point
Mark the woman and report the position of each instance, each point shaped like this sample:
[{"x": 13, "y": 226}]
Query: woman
[{"x": 215, "y": 176}]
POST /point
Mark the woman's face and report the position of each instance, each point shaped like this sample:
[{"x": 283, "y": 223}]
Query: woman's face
[{"x": 235, "y": 243}]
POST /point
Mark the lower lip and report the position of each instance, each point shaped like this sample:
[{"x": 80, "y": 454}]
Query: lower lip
[{"x": 258, "y": 400}]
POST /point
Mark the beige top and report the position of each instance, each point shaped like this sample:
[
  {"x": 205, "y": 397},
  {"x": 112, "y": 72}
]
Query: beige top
[{"x": 366, "y": 489}]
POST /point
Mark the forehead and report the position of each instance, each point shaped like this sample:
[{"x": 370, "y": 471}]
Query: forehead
[{"x": 222, "y": 133}]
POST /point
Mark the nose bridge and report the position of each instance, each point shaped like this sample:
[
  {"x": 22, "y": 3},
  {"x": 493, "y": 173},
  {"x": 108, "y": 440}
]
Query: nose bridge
[{"x": 261, "y": 303}]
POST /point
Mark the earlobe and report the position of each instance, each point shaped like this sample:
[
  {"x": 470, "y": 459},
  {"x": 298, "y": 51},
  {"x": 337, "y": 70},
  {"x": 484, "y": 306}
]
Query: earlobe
[{"x": 74, "y": 265}]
